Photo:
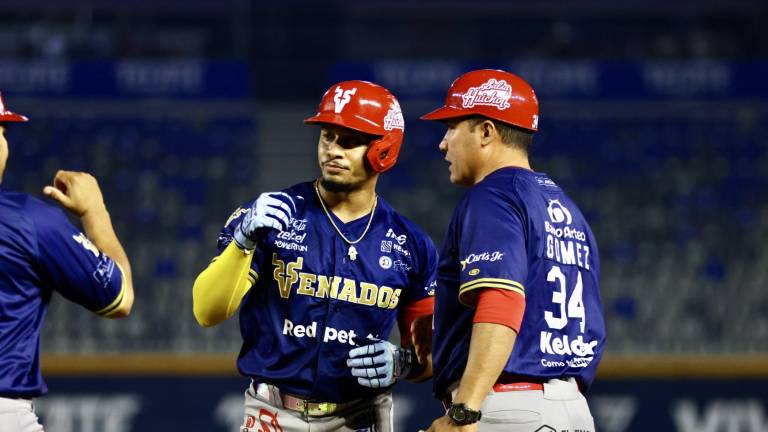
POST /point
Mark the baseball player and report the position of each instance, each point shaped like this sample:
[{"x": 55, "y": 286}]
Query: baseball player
[
  {"x": 321, "y": 271},
  {"x": 518, "y": 318},
  {"x": 41, "y": 252}
]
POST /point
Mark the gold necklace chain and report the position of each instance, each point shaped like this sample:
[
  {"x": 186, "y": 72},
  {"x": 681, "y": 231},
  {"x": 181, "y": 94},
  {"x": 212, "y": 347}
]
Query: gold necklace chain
[{"x": 352, "y": 250}]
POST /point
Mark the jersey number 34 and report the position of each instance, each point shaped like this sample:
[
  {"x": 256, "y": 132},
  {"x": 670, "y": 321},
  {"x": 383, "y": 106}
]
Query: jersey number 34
[{"x": 575, "y": 304}]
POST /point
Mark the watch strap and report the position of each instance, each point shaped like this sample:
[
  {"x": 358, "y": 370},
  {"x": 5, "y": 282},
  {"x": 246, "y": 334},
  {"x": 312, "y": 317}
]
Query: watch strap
[{"x": 462, "y": 415}]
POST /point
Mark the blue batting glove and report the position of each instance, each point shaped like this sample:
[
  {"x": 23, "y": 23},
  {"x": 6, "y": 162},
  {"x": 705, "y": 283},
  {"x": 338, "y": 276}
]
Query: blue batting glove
[{"x": 272, "y": 210}]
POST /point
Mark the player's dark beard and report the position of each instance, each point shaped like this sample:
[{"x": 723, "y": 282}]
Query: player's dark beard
[{"x": 333, "y": 186}]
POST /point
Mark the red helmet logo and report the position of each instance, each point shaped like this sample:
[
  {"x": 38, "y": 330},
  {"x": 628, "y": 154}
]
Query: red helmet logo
[
  {"x": 368, "y": 108},
  {"x": 495, "y": 94}
]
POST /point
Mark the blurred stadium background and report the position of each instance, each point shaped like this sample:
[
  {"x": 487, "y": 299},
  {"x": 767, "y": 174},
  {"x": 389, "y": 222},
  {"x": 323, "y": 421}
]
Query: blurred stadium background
[{"x": 654, "y": 118}]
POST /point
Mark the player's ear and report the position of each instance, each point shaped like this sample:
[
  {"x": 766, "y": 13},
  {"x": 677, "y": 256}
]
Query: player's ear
[{"x": 488, "y": 131}]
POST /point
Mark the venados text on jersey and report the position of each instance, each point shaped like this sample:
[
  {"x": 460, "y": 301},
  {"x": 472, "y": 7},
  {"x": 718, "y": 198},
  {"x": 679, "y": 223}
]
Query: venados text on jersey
[{"x": 349, "y": 290}]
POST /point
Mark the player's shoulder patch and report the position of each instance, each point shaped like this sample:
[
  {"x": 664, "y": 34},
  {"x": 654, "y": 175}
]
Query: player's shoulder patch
[
  {"x": 236, "y": 214},
  {"x": 544, "y": 181}
]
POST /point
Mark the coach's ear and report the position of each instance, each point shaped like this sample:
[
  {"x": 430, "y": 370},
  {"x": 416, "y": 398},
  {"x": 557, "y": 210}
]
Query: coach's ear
[{"x": 488, "y": 132}]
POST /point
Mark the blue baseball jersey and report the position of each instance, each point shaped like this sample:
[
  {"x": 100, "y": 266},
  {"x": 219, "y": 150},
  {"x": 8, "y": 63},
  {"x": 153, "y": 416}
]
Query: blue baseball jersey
[
  {"x": 42, "y": 252},
  {"x": 311, "y": 304},
  {"x": 517, "y": 230}
]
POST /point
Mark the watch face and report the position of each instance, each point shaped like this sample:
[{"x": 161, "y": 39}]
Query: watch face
[{"x": 459, "y": 415}]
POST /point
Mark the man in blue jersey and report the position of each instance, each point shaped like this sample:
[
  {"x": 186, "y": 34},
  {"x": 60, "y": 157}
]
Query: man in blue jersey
[
  {"x": 519, "y": 328},
  {"x": 41, "y": 252},
  {"x": 321, "y": 272}
]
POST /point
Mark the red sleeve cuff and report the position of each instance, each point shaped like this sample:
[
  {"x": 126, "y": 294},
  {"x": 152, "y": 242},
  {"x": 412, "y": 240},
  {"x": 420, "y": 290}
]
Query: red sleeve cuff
[
  {"x": 410, "y": 312},
  {"x": 500, "y": 306}
]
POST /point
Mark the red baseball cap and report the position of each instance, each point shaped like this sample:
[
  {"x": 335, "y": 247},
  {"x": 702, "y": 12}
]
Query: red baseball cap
[
  {"x": 495, "y": 94},
  {"x": 8, "y": 116}
]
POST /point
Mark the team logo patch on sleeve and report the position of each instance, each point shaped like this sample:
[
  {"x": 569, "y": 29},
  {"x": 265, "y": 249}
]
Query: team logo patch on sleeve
[
  {"x": 84, "y": 242},
  {"x": 236, "y": 214},
  {"x": 104, "y": 270},
  {"x": 430, "y": 289},
  {"x": 483, "y": 256}
]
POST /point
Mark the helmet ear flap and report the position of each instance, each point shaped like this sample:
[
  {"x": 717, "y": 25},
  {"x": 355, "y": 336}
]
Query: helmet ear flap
[{"x": 382, "y": 153}]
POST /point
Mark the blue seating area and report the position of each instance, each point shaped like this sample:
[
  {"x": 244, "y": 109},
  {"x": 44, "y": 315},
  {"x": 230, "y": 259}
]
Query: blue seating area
[
  {"x": 678, "y": 204},
  {"x": 166, "y": 182}
]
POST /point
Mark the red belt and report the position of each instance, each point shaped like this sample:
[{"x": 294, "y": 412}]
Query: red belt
[
  {"x": 517, "y": 386},
  {"x": 504, "y": 387}
]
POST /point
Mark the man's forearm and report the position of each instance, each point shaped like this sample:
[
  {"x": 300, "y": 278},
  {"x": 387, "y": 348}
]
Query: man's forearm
[
  {"x": 426, "y": 372},
  {"x": 421, "y": 338},
  {"x": 98, "y": 228},
  {"x": 218, "y": 290},
  {"x": 489, "y": 350}
]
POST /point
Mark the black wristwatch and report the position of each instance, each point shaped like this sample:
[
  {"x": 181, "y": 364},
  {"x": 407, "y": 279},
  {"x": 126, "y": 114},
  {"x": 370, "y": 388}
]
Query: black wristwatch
[{"x": 462, "y": 416}]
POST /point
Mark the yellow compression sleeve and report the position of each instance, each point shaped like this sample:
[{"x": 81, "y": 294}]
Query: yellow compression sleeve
[{"x": 218, "y": 290}]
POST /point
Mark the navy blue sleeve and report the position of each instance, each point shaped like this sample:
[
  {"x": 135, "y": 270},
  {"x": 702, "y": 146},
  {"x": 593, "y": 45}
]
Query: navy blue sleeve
[
  {"x": 426, "y": 271},
  {"x": 73, "y": 265},
  {"x": 492, "y": 246}
]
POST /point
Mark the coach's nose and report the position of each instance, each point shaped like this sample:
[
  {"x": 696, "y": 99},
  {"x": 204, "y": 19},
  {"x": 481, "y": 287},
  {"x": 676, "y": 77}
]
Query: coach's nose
[{"x": 443, "y": 146}]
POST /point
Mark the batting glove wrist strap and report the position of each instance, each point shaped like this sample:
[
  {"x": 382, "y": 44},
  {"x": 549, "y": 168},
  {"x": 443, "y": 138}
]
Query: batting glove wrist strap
[
  {"x": 242, "y": 241},
  {"x": 378, "y": 364},
  {"x": 271, "y": 211},
  {"x": 411, "y": 367}
]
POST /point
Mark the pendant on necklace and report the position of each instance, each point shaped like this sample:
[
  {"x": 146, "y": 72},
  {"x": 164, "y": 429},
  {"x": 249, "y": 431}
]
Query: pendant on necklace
[{"x": 352, "y": 252}]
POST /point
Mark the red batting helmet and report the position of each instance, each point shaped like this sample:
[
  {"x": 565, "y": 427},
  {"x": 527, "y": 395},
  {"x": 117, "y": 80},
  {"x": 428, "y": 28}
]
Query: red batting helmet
[
  {"x": 7, "y": 116},
  {"x": 495, "y": 94},
  {"x": 368, "y": 108}
]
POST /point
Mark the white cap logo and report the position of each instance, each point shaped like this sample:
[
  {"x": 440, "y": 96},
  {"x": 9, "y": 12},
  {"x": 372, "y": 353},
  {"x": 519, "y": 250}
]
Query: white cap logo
[
  {"x": 492, "y": 93},
  {"x": 558, "y": 212}
]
